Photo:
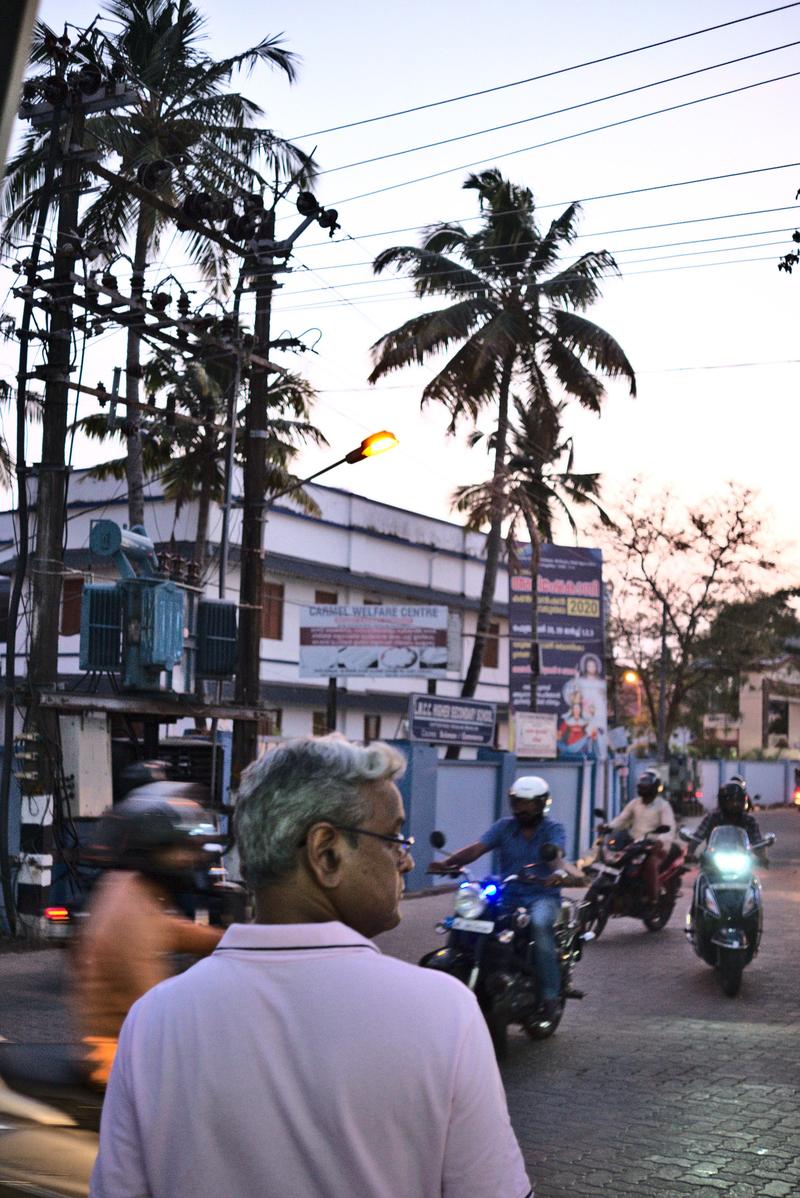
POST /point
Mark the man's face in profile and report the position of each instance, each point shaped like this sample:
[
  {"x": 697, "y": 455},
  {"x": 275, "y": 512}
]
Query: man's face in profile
[{"x": 368, "y": 899}]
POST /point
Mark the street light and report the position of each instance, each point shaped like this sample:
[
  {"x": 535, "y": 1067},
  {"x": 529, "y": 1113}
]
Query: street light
[
  {"x": 631, "y": 677},
  {"x": 370, "y": 447}
]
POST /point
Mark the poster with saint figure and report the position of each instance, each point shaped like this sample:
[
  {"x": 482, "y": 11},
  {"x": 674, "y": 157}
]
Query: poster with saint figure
[{"x": 570, "y": 634}]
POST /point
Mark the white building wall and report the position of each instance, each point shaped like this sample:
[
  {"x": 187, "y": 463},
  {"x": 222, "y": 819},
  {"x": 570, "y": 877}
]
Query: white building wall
[{"x": 374, "y": 544}]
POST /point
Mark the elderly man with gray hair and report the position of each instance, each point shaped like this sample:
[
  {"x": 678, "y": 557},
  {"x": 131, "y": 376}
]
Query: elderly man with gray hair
[{"x": 297, "y": 1059}]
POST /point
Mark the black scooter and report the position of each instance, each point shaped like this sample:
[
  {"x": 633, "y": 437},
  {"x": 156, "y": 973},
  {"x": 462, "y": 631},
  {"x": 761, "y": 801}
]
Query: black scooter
[
  {"x": 489, "y": 948},
  {"x": 724, "y": 922}
]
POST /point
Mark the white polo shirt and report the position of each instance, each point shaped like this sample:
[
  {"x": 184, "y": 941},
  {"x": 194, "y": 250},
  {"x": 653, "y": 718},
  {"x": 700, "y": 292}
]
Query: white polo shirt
[
  {"x": 298, "y": 1060},
  {"x": 643, "y": 818}
]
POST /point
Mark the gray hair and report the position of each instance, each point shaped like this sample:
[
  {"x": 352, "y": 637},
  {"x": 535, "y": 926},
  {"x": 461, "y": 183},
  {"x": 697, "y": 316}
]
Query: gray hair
[{"x": 301, "y": 783}]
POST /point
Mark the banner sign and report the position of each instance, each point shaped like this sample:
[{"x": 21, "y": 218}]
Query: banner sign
[
  {"x": 383, "y": 640},
  {"x": 569, "y": 644},
  {"x": 535, "y": 734},
  {"x": 442, "y": 721}
]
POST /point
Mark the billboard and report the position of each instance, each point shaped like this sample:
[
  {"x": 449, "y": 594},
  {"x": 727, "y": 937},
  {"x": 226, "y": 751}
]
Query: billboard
[
  {"x": 381, "y": 640},
  {"x": 569, "y": 644},
  {"x": 443, "y": 721}
]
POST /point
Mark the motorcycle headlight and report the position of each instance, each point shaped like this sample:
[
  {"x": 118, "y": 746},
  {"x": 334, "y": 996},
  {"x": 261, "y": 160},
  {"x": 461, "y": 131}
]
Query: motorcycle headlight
[
  {"x": 732, "y": 864},
  {"x": 470, "y": 902},
  {"x": 710, "y": 901}
]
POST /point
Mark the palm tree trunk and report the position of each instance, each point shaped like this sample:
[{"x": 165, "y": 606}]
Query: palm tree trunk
[
  {"x": 536, "y": 553},
  {"x": 494, "y": 540},
  {"x": 134, "y": 465}
]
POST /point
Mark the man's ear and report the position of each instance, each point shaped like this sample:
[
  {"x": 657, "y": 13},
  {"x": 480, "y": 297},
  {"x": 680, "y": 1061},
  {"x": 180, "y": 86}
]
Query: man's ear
[{"x": 324, "y": 857}]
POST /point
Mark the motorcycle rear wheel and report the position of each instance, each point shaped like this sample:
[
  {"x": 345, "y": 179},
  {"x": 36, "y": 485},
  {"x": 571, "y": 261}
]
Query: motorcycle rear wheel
[{"x": 543, "y": 1029}]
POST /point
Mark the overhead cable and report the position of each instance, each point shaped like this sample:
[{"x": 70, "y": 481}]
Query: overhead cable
[
  {"x": 578, "y": 66},
  {"x": 553, "y": 141},
  {"x": 540, "y": 116}
]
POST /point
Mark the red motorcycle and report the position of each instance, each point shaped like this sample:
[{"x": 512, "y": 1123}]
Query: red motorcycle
[{"x": 618, "y": 885}]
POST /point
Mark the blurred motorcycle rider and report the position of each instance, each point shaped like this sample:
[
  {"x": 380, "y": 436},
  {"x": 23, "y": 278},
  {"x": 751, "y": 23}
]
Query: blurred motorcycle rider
[
  {"x": 152, "y": 844},
  {"x": 731, "y": 809},
  {"x": 641, "y": 817},
  {"x": 519, "y": 839}
]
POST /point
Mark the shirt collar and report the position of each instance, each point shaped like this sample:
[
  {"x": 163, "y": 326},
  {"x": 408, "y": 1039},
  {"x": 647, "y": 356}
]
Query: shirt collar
[{"x": 250, "y": 937}]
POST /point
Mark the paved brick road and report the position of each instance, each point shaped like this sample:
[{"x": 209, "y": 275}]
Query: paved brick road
[{"x": 656, "y": 1085}]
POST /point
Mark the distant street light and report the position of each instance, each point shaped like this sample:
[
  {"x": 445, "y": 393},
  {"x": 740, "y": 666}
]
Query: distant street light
[{"x": 631, "y": 678}]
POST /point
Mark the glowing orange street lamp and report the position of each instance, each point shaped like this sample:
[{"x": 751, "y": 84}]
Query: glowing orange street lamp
[{"x": 371, "y": 446}]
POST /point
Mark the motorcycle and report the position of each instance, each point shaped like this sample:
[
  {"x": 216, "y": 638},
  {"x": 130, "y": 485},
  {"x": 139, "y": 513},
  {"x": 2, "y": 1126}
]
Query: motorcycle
[
  {"x": 725, "y": 919},
  {"x": 618, "y": 888},
  {"x": 489, "y": 948},
  {"x": 49, "y": 1124}
]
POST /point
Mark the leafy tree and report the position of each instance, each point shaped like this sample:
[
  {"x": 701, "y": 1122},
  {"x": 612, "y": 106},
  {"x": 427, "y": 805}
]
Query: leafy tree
[
  {"x": 696, "y": 569},
  {"x": 184, "y": 115},
  {"x": 514, "y": 320}
]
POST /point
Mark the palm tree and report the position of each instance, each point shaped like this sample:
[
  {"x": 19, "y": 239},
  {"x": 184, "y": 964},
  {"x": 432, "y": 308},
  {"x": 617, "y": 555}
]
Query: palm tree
[
  {"x": 186, "y": 450},
  {"x": 538, "y": 482},
  {"x": 515, "y": 317},
  {"x": 184, "y": 116}
]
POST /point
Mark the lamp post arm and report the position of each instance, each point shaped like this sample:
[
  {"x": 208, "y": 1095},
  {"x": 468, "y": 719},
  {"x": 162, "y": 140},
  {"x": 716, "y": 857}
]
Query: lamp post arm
[{"x": 301, "y": 482}]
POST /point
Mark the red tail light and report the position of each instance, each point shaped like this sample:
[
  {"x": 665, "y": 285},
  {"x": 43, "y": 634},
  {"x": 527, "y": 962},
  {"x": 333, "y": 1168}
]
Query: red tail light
[
  {"x": 56, "y": 914},
  {"x": 698, "y": 794}
]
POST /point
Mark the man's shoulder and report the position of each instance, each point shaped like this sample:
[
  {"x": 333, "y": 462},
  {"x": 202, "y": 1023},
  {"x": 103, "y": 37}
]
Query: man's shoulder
[
  {"x": 552, "y": 827},
  {"x": 501, "y": 827}
]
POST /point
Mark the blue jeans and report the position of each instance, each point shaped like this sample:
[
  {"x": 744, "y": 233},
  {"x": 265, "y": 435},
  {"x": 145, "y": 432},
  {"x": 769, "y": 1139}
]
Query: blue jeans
[{"x": 544, "y": 911}]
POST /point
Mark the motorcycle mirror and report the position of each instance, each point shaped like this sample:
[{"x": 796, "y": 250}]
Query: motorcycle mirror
[
  {"x": 549, "y": 852},
  {"x": 685, "y": 834},
  {"x": 661, "y": 829},
  {"x": 765, "y": 843},
  {"x": 599, "y": 813},
  {"x": 437, "y": 840}
]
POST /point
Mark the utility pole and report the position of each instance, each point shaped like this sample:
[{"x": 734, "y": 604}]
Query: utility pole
[
  {"x": 662, "y": 689},
  {"x": 52, "y": 470},
  {"x": 251, "y": 586}
]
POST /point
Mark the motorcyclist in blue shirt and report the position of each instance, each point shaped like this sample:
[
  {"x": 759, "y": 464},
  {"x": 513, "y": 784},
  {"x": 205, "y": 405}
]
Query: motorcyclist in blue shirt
[{"x": 518, "y": 840}]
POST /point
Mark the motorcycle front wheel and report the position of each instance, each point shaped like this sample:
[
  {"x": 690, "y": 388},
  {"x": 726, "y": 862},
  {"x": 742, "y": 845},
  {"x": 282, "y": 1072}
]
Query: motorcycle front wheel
[
  {"x": 495, "y": 1012},
  {"x": 731, "y": 967},
  {"x": 595, "y": 918},
  {"x": 658, "y": 919}
]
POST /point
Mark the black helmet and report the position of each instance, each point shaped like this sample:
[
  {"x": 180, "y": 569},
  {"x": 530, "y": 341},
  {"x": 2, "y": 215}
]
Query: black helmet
[
  {"x": 649, "y": 785},
  {"x": 732, "y": 798},
  {"x": 159, "y": 816}
]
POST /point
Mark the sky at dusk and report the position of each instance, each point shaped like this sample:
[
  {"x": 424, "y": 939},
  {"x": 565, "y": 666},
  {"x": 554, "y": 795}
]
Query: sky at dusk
[{"x": 701, "y": 310}]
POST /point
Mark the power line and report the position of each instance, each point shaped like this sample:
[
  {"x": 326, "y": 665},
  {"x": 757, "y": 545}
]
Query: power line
[
  {"x": 591, "y": 62},
  {"x": 371, "y": 282},
  {"x": 540, "y": 116},
  {"x": 395, "y": 295},
  {"x": 654, "y": 370},
  {"x": 451, "y": 170}
]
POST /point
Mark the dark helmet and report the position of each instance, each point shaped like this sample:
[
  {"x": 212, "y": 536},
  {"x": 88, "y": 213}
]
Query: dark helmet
[
  {"x": 649, "y": 785},
  {"x": 732, "y": 798},
  {"x": 162, "y": 815}
]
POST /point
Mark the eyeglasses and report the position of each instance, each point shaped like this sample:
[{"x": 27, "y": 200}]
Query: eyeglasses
[{"x": 404, "y": 844}]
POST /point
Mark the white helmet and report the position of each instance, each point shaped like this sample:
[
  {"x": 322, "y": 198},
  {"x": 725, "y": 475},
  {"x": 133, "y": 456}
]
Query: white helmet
[{"x": 530, "y": 786}]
